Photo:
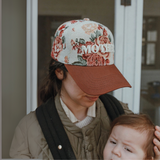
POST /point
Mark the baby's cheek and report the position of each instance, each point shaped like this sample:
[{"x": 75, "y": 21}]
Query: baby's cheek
[{"x": 106, "y": 152}]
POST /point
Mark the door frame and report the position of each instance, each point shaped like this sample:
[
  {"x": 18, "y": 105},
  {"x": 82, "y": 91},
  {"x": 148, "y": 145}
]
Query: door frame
[
  {"x": 1, "y": 79},
  {"x": 31, "y": 54},
  {"x": 128, "y": 40}
]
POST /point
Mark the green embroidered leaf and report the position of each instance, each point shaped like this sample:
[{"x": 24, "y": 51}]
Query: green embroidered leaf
[
  {"x": 53, "y": 38},
  {"x": 109, "y": 38},
  {"x": 82, "y": 41},
  {"x": 92, "y": 37},
  {"x": 64, "y": 47},
  {"x": 98, "y": 33},
  {"x": 82, "y": 61},
  {"x": 56, "y": 34},
  {"x": 77, "y": 63},
  {"x": 77, "y": 40},
  {"x": 63, "y": 39},
  {"x": 66, "y": 27}
]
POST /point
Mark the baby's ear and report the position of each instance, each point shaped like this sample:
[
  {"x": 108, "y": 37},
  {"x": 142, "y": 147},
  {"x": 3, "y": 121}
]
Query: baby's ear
[{"x": 152, "y": 158}]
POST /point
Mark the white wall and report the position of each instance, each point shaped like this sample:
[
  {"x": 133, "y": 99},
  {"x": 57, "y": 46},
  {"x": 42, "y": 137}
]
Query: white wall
[{"x": 13, "y": 68}]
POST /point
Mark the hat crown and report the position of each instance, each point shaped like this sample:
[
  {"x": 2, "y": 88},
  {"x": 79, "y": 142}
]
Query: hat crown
[{"x": 84, "y": 43}]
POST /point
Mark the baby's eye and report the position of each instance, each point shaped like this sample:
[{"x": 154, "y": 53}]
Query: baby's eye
[
  {"x": 113, "y": 142},
  {"x": 128, "y": 150}
]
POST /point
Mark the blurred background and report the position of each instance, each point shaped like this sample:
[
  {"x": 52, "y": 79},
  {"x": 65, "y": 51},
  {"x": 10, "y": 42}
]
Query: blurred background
[{"x": 16, "y": 67}]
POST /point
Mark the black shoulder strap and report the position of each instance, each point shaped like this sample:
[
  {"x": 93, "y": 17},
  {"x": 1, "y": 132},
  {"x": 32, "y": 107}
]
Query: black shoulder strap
[
  {"x": 112, "y": 106},
  {"x": 53, "y": 131}
]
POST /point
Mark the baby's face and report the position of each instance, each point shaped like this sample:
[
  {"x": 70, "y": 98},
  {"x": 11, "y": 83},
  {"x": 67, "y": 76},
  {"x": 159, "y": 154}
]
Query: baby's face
[{"x": 125, "y": 143}]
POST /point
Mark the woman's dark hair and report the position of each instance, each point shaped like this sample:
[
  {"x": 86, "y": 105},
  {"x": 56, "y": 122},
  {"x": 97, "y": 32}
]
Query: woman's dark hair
[{"x": 52, "y": 85}]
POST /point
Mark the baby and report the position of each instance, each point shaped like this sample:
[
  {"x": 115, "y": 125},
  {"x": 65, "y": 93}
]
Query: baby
[{"x": 131, "y": 138}]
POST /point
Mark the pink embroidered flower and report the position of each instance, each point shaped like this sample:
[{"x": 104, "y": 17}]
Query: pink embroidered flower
[
  {"x": 73, "y": 21},
  {"x": 62, "y": 27},
  {"x": 61, "y": 32},
  {"x": 105, "y": 32},
  {"x": 76, "y": 46},
  {"x": 106, "y": 54},
  {"x": 101, "y": 40},
  {"x": 100, "y": 27},
  {"x": 89, "y": 43},
  {"x": 57, "y": 40},
  {"x": 53, "y": 56},
  {"x": 107, "y": 61},
  {"x": 73, "y": 29},
  {"x": 79, "y": 50},
  {"x": 94, "y": 59},
  {"x": 72, "y": 42},
  {"x": 57, "y": 46},
  {"x": 86, "y": 19},
  {"x": 89, "y": 28},
  {"x": 85, "y": 56},
  {"x": 66, "y": 59}
]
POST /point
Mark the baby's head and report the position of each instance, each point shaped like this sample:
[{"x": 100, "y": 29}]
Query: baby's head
[{"x": 131, "y": 138}]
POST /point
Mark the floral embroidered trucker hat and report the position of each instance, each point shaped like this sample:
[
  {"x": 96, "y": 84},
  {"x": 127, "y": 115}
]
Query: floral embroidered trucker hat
[{"x": 86, "y": 48}]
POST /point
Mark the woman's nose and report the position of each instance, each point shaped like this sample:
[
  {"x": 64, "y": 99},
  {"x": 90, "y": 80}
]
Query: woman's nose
[{"x": 116, "y": 151}]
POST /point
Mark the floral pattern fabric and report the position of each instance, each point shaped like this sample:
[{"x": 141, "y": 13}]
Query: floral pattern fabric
[{"x": 85, "y": 43}]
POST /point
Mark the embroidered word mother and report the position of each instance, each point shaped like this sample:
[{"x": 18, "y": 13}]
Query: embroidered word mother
[{"x": 98, "y": 48}]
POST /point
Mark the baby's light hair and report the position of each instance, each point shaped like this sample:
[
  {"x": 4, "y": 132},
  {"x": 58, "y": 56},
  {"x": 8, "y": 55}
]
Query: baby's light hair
[{"x": 141, "y": 123}]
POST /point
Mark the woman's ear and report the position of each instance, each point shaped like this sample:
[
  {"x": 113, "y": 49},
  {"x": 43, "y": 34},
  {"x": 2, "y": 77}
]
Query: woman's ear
[{"x": 59, "y": 74}]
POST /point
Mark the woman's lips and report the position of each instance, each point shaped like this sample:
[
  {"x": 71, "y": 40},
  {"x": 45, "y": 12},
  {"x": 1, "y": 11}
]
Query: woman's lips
[{"x": 92, "y": 98}]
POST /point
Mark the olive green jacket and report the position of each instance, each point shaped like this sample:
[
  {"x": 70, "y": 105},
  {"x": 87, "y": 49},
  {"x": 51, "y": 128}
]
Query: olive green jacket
[{"x": 87, "y": 142}]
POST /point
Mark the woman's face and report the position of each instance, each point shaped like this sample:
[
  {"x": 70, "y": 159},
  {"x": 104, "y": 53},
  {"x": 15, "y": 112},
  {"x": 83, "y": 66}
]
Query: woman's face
[{"x": 72, "y": 95}]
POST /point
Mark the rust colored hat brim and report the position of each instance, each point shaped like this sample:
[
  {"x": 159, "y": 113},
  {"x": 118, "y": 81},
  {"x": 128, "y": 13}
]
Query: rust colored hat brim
[{"x": 97, "y": 80}]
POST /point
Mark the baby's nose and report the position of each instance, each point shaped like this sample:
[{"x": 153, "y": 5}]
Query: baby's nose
[{"x": 117, "y": 151}]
